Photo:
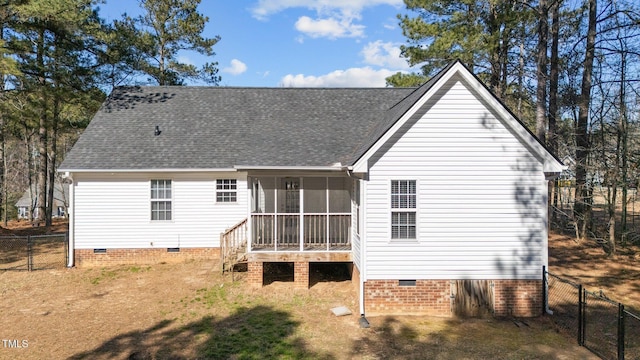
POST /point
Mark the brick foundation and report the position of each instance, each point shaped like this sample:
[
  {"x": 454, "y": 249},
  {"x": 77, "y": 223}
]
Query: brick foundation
[
  {"x": 387, "y": 297},
  {"x": 255, "y": 273},
  {"x": 301, "y": 274},
  {"x": 87, "y": 257},
  {"x": 520, "y": 298}
]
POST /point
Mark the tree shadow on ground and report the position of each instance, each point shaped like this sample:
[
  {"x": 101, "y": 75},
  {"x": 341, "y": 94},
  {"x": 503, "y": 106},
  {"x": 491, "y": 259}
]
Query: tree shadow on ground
[
  {"x": 393, "y": 339},
  {"x": 457, "y": 338},
  {"x": 591, "y": 266},
  {"x": 249, "y": 333}
]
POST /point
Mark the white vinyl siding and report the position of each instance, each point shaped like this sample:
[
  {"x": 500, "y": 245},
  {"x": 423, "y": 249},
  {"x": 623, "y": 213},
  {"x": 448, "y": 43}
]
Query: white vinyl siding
[
  {"x": 112, "y": 211},
  {"x": 481, "y": 196}
]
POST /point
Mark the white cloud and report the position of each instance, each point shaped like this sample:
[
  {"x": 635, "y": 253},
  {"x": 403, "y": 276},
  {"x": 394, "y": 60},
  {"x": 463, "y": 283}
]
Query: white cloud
[
  {"x": 185, "y": 60},
  {"x": 334, "y": 18},
  {"x": 389, "y": 26},
  {"x": 237, "y": 67},
  {"x": 331, "y": 27},
  {"x": 354, "y": 77},
  {"x": 381, "y": 53},
  {"x": 264, "y": 8}
]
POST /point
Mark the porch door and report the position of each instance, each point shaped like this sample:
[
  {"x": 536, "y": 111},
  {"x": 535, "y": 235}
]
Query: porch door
[{"x": 289, "y": 213}]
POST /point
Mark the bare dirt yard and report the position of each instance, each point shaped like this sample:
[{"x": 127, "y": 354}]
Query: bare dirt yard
[
  {"x": 585, "y": 262},
  {"x": 190, "y": 311}
]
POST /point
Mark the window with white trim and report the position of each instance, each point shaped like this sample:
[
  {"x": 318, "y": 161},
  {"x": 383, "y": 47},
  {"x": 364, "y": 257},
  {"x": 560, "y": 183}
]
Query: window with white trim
[
  {"x": 403, "y": 209},
  {"x": 227, "y": 190},
  {"x": 161, "y": 200}
]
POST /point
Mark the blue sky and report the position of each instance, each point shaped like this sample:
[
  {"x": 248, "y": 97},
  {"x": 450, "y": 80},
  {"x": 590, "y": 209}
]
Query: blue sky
[{"x": 297, "y": 43}]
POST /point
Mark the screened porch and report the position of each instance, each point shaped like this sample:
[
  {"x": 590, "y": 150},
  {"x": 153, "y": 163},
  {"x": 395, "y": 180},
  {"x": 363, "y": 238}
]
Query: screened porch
[{"x": 301, "y": 214}]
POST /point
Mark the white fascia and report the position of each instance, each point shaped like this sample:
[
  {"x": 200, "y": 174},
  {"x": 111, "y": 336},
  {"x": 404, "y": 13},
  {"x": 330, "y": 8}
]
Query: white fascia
[
  {"x": 176, "y": 170},
  {"x": 292, "y": 168}
]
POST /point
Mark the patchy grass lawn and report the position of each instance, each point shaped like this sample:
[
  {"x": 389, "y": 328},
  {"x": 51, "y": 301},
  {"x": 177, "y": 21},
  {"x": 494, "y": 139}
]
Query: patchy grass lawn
[{"x": 186, "y": 311}]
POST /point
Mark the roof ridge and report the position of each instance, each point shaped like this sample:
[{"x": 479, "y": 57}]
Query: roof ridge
[{"x": 198, "y": 87}]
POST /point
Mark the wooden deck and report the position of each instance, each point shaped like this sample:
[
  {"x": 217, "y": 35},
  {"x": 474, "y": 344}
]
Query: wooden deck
[
  {"x": 311, "y": 256},
  {"x": 234, "y": 249}
]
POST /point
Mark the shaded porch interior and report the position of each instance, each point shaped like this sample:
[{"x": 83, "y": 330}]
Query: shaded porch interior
[{"x": 300, "y": 213}]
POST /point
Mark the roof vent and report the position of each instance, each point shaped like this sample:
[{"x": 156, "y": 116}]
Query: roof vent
[{"x": 157, "y": 131}]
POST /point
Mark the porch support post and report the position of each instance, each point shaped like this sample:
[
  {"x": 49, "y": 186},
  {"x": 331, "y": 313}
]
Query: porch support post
[
  {"x": 71, "y": 215},
  {"x": 255, "y": 273},
  {"x": 301, "y": 274},
  {"x": 301, "y": 214}
]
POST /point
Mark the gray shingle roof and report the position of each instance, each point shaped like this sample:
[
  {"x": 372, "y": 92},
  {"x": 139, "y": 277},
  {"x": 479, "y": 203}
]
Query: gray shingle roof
[{"x": 222, "y": 127}]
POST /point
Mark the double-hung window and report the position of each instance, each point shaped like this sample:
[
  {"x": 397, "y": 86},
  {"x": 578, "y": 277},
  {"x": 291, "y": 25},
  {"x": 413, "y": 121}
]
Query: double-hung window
[
  {"x": 226, "y": 190},
  {"x": 403, "y": 209},
  {"x": 161, "y": 200}
]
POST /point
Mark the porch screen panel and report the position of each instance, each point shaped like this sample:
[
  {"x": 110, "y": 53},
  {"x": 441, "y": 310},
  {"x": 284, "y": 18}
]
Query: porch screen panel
[
  {"x": 289, "y": 196},
  {"x": 262, "y": 232},
  {"x": 263, "y": 207},
  {"x": 288, "y": 232},
  {"x": 315, "y": 195},
  {"x": 315, "y": 213},
  {"x": 264, "y": 197},
  {"x": 339, "y": 213},
  {"x": 288, "y": 219},
  {"x": 339, "y": 195}
]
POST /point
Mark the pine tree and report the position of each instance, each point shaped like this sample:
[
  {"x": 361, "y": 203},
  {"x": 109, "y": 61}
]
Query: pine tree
[{"x": 166, "y": 28}]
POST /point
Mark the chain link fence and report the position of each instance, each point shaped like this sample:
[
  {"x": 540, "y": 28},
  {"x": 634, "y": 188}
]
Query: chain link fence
[
  {"x": 600, "y": 324},
  {"x": 563, "y": 298},
  {"x": 632, "y": 335},
  {"x": 34, "y": 252}
]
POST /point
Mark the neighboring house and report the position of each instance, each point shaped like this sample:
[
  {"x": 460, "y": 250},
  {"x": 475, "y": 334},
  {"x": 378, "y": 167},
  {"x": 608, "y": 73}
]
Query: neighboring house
[
  {"x": 60, "y": 202},
  {"x": 418, "y": 189}
]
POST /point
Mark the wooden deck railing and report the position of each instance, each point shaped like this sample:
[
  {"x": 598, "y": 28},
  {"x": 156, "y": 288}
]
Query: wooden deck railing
[
  {"x": 321, "y": 232},
  {"x": 233, "y": 245}
]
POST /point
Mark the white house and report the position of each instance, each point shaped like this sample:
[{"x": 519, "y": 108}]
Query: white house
[{"x": 419, "y": 189}]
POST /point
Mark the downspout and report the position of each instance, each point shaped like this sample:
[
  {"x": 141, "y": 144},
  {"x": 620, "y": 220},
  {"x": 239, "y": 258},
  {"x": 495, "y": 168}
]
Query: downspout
[
  {"x": 364, "y": 323},
  {"x": 72, "y": 214},
  {"x": 545, "y": 248}
]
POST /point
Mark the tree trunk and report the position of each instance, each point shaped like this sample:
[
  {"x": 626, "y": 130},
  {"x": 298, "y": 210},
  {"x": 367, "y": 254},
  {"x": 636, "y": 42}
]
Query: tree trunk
[
  {"x": 53, "y": 158},
  {"x": 541, "y": 71},
  {"x": 552, "y": 138},
  {"x": 3, "y": 155},
  {"x": 41, "y": 182},
  {"x": 613, "y": 194},
  {"x": 582, "y": 205},
  {"x": 494, "y": 50},
  {"x": 624, "y": 136}
]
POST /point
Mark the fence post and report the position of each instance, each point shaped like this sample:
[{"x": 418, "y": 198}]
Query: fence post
[
  {"x": 620, "y": 331},
  {"x": 29, "y": 254},
  {"x": 545, "y": 295},
  {"x": 580, "y": 316},
  {"x": 66, "y": 249}
]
